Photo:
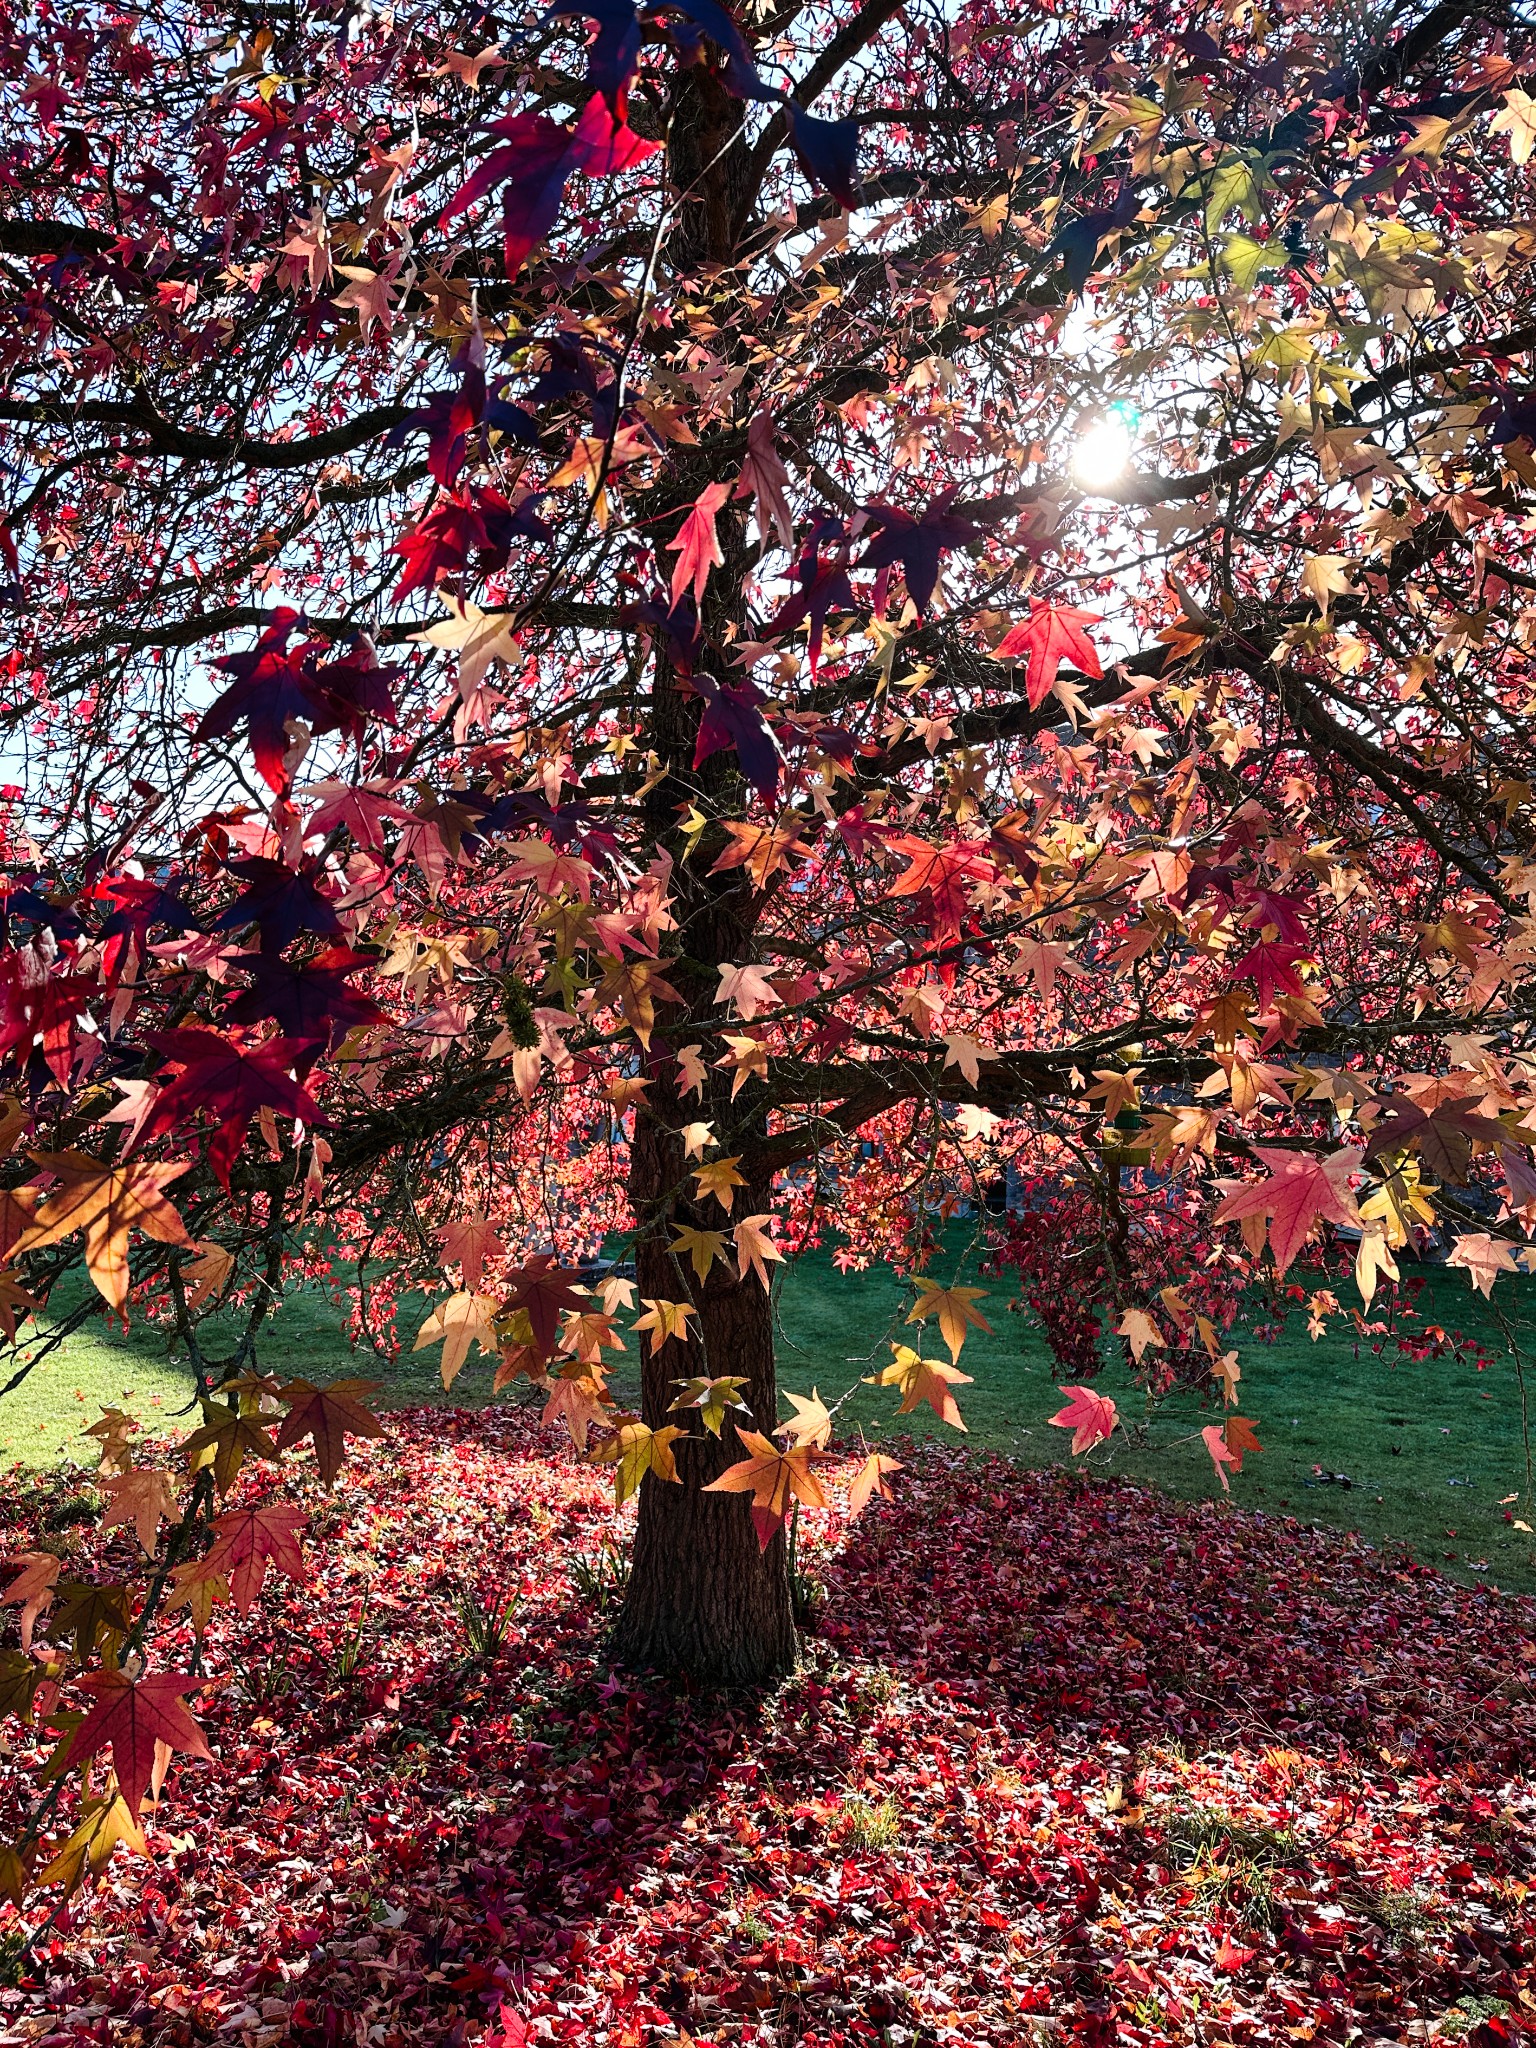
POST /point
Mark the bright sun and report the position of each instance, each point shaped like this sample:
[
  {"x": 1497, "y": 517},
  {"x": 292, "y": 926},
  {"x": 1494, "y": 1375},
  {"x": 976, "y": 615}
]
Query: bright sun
[{"x": 1103, "y": 454}]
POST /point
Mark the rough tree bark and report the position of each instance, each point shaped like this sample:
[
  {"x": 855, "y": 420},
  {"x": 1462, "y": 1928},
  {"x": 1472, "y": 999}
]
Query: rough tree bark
[{"x": 703, "y": 1602}]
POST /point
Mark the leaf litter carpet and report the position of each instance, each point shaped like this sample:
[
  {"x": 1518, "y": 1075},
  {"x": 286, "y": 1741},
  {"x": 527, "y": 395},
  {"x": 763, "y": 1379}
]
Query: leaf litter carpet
[{"x": 1067, "y": 1761}]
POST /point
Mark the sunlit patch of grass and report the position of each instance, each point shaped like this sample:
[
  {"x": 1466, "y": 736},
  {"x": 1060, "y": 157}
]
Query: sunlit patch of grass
[
  {"x": 869, "y": 1823},
  {"x": 1229, "y": 1865}
]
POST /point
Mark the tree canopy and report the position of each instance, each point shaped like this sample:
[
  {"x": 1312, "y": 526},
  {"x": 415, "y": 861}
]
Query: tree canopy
[{"x": 701, "y": 631}]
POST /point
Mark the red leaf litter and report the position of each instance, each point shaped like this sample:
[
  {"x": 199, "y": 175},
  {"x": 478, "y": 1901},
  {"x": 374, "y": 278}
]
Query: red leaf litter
[{"x": 1066, "y": 1759}]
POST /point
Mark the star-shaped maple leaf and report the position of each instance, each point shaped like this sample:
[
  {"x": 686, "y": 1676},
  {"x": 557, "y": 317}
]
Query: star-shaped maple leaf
[
  {"x": 130, "y": 1716},
  {"x": 328, "y": 1415},
  {"x": 106, "y": 1202},
  {"x": 231, "y": 1083},
  {"x": 773, "y": 1478},
  {"x": 246, "y": 1540}
]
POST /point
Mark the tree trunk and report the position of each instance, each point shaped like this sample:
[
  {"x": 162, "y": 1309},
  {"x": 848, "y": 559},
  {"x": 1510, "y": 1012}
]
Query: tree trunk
[{"x": 703, "y": 1602}]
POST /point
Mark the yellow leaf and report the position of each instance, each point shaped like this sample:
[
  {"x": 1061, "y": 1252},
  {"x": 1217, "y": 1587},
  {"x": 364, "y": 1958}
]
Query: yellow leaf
[
  {"x": 920, "y": 1380},
  {"x": 106, "y": 1823},
  {"x": 720, "y": 1179},
  {"x": 711, "y": 1397},
  {"x": 810, "y": 1423},
  {"x": 703, "y": 1247},
  {"x": 665, "y": 1321},
  {"x": 632, "y": 1451},
  {"x": 463, "y": 1319},
  {"x": 953, "y": 1307}
]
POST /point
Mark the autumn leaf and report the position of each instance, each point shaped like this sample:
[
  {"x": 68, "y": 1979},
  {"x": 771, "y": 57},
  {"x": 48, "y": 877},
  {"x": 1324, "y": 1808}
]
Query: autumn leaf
[
  {"x": 32, "y": 1589},
  {"x": 477, "y": 637},
  {"x": 467, "y": 1243},
  {"x": 665, "y": 1320},
  {"x": 1240, "y": 1439},
  {"x": 1325, "y": 577},
  {"x": 247, "y": 1539},
  {"x": 1051, "y": 635},
  {"x": 761, "y": 849},
  {"x": 1302, "y": 1188},
  {"x": 229, "y": 1083},
  {"x": 1516, "y": 119},
  {"x": 1091, "y": 1417},
  {"x": 702, "y": 1247},
  {"x": 1226, "y": 1372},
  {"x": 633, "y": 1450},
  {"x": 1443, "y": 1135},
  {"x": 810, "y": 1424},
  {"x": 328, "y": 1415},
  {"x": 106, "y": 1202},
  {"x": 198, "y": 1589},
  {"x": 772, "y": 1477},
  {"x": 1483, "y": 1257},
  {"x": 129, "y": 1717},
  {"x": 955, "y": 1310},
  {"x": 227, "y": 1438},
  {"x": 713, "y": 1398},
  {"x": 588, "y": 1335},
  {"x": 89, "y": 1613},
  {"x": 208, "y": 1273},
  {"x": 578, "y": 1399},
  {"x": 14, "y": 1301},
  {"x": 1140, "y": 1332},
  {"x": 697, "y": 545},
  {"x": 872, "y": 1478},
  {"x": 545, "y": 1291},
  {"x": 104, "y": 1825},
  {"x": 1221, "y": 1455},
  {"x": 720, "y": 1179},
  {"x": 141, "y": 1497},
  {"x": 920, "y": 1380},
  {"x": 20, "y": 1678},
  {"x": 16, "y": 1863},
  {"x": 463, "y": 1319},
  {"x": 754, "y": 1247},
  {"x": 765, "y": 479}
]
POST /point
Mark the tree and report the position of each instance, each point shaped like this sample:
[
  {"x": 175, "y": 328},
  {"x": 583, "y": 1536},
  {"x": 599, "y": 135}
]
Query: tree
[{"x": 712, "y": 629}]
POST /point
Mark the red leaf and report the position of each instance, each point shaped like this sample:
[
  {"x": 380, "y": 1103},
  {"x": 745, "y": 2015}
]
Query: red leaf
[
  {"x": 247, "y": 1540},
  {"x": 1052, "y": 634},
  {"x": 1301, "y": 1188},
  {"x": 1090, "y": 1416},
  {"x": 130, "y": 1716},
  {"x": 697, "y": 544},
  {"x": 545, "y": 1291}
]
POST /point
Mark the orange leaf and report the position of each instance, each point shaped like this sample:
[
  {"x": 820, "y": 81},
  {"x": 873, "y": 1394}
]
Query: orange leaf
[
  {"x": 872, "y": 1477},
  {"x": 106, "y": 1202},
  {"x": 771, "y": 1476}
]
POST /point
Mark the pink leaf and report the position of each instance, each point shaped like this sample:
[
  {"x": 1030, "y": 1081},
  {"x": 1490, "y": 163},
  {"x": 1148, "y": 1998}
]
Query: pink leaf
[
  {"x": 697, "y": 545},
  {"x": 1090, "y": 1416}
]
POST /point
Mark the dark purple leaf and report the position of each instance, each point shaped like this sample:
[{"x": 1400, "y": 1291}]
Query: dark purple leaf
[{"x": 733, "y": 718}]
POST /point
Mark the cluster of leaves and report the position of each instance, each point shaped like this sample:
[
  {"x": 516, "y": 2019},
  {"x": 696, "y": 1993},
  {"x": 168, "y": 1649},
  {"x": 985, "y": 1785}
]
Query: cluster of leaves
[{"x": 1072, "y": 1277}]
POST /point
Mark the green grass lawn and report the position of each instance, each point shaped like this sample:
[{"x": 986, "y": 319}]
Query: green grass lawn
[{"x": 1429, "y": 1450}]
